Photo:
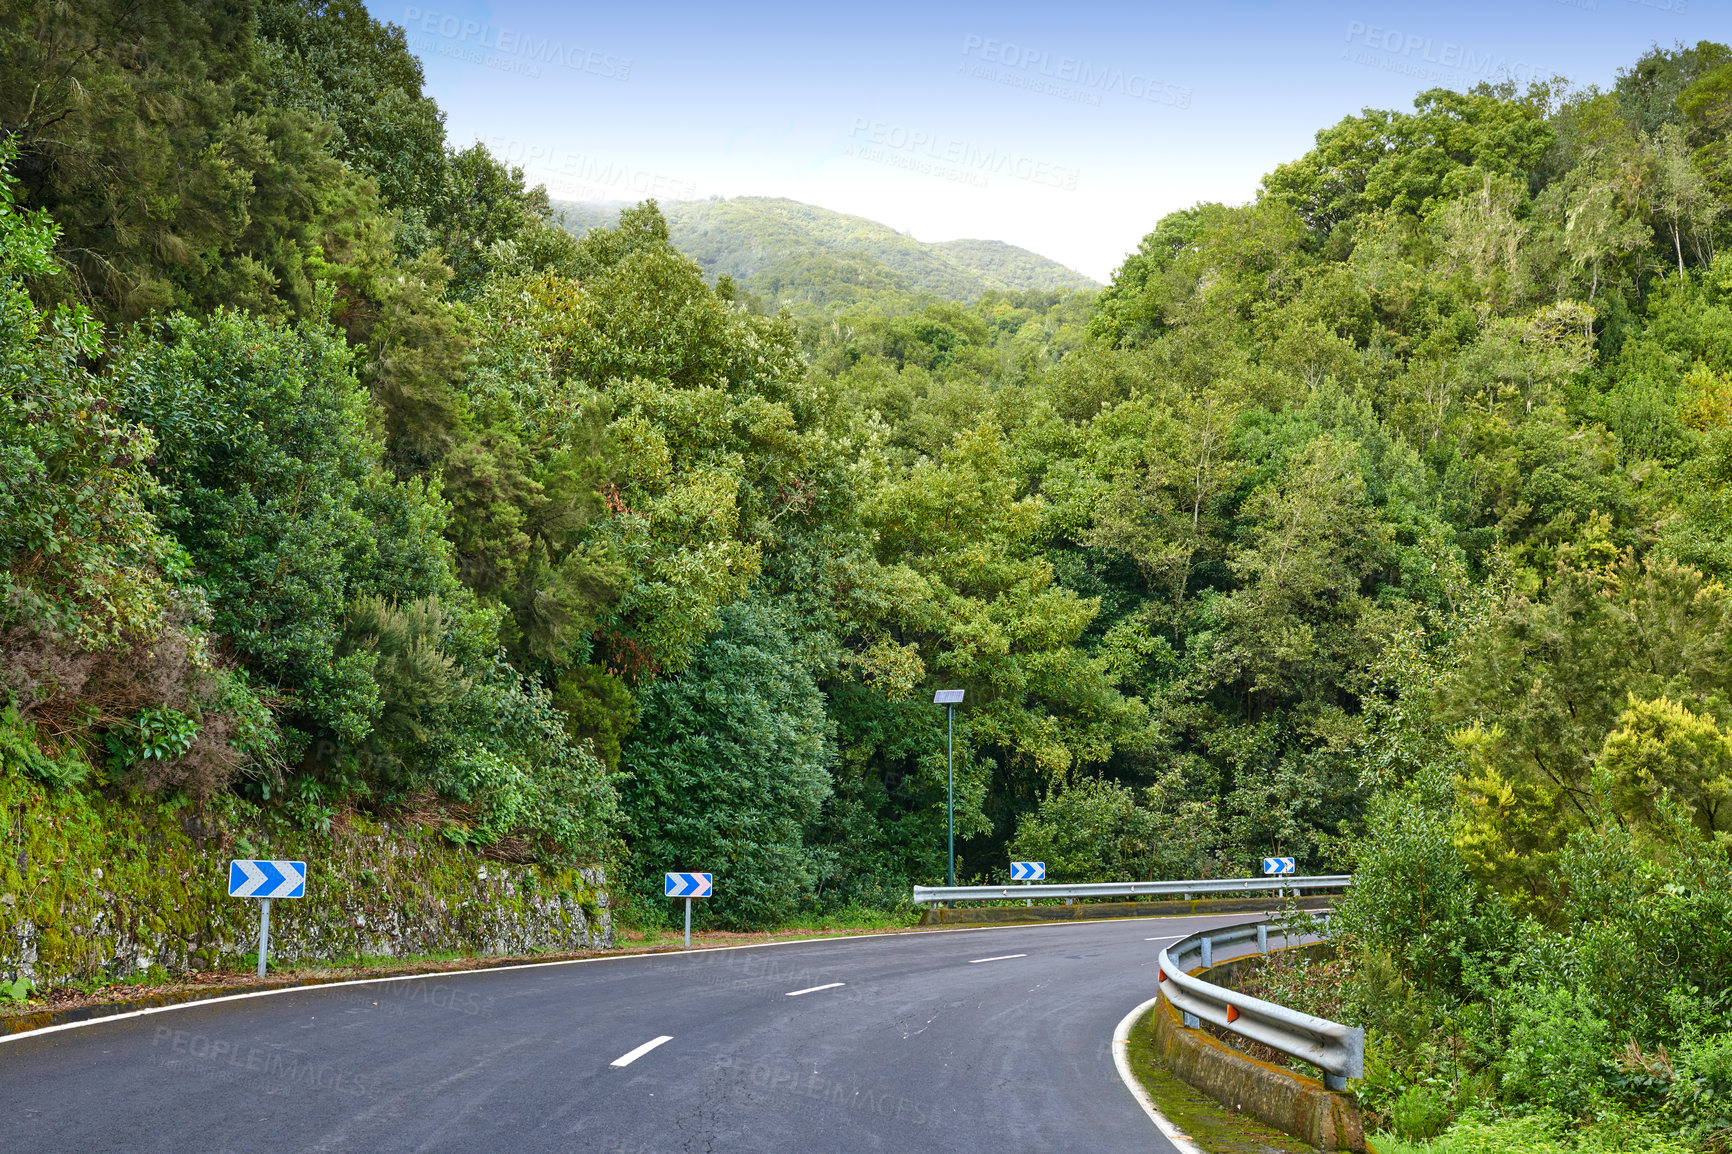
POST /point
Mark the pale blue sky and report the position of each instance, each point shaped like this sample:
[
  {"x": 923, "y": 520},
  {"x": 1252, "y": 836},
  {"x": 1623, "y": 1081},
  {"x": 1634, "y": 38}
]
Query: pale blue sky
[{"x": 1066, "y": 128}]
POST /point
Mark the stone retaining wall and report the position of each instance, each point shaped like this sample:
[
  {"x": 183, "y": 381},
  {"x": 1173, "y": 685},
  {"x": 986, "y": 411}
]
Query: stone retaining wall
[{"x": 93, "y": 889}]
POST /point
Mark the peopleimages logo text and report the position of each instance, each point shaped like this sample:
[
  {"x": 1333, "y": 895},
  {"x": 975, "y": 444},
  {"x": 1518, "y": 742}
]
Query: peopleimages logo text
[
  {"x": 934, "y": 154},
  {"x": 1069, "y": 70},
  {"x": 1421, "y": 50},
  {"x": 512, "y": 42},
  {"x": 584, "y": 177}
]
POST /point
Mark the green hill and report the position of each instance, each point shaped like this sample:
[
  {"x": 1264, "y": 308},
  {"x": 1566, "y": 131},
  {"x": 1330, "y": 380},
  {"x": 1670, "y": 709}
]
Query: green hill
[{"x": 801, "y": 255}]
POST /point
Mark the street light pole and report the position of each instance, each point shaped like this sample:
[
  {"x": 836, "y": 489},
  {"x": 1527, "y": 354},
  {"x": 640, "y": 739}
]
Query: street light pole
[{"x": 950, "y": 698}]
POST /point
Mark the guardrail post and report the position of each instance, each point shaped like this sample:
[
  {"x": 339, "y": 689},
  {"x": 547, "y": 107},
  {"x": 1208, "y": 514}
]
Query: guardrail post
[
  {"x": 1334, "y": 1082},
  {"x": 1262, "y": 939},
  {"x": 1192, "y": 1022},
  {"x": 1355, "y": 1054},
  {"x": 1208, "y": 953}
]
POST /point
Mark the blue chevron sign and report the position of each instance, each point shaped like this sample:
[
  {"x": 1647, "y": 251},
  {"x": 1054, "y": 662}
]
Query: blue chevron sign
[
  {"x": 1027, "y": 871},
  {"x": 1277, "y": 865},
  {"x": 267, "y": 879},
  {"x": 688, "y": 885}
]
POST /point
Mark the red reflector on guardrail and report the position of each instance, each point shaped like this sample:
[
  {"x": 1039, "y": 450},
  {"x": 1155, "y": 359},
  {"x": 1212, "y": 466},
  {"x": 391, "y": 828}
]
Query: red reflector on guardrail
[{"x": 1232, "y": 1013}]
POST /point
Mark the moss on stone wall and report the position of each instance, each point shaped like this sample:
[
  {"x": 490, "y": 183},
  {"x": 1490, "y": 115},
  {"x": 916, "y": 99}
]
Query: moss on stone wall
[{"x": 95, "y": 889}]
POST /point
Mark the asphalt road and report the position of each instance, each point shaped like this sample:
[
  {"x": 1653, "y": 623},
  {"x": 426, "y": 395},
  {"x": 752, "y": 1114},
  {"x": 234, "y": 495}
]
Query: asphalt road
[{"x": 982, "y": 1042}]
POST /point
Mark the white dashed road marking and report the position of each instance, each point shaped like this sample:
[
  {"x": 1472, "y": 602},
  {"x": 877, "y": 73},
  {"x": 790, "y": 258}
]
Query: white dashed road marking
[{"x": 631, "y": 1056}]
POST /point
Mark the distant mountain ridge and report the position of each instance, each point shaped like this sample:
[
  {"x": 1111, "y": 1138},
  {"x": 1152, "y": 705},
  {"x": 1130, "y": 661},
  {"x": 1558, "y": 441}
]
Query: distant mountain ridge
[{"x": 800, "y": 254}]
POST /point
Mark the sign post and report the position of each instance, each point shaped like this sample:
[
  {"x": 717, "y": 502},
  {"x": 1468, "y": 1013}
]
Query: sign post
[
  {"x": 1028, "y": 871},
  {"x": 264, "y": 932},
  {"x": 265, "y": 880},
  {"x": 1273, "y": 866},
  {"x": 687, "y": 886}
]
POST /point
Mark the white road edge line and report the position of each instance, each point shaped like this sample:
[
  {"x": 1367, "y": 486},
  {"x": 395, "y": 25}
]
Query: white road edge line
[
  {"x": 85, "y": 1023},
  {"x": 1000, "y": 958},
  {"x": 1121, "y": 1058},
  {"x": 631, "y": 1056},
  {"x": 1168, "y": 938},
  {"x": 814, "y": 989}
]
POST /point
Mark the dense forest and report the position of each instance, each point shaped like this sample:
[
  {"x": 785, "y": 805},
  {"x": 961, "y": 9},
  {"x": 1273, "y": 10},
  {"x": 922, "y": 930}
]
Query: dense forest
[{"x": 1383, "y": 521}]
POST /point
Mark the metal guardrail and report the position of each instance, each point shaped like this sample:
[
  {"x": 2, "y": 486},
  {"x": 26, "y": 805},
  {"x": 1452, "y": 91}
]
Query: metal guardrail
[
  {"x": 1337, "y": 1050},
  {"x": 1279, "y": 885}
]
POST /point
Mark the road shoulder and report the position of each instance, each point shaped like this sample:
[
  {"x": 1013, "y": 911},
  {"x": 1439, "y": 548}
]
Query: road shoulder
[
  {"x": 1192, "y": 1121},
  {"x": 122, "y": 1002}
]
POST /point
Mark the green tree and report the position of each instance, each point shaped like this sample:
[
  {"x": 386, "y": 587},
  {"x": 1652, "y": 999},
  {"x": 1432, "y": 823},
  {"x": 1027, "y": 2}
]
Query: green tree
[
  {"x": 142, "y": 129},
  {"x": 729, "y": 764},
  {"x": 81, "y": 553},
  {"x": 1661, "y": 749},
  {"x": 271, "y": 482},
  {"x": 1543, "y": 691},
  {"x": 337, "y": 63}
]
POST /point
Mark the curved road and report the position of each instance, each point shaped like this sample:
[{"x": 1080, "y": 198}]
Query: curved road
[{"x": 980, "y": 1041}]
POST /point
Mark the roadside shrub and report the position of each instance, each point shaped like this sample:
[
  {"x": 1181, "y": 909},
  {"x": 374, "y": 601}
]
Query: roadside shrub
[
  {"x": 1559, "y": 1048},
  {"x": 20, "y": 750},
  {"x": 1420, "y": 1112},
  {"x": 1095, "y": 830},
  {"x": 1701, "y": 1090},
  {"x": 1089, "y": 831},
  {"x": 1413, "y": 899},
  {"x": 534, "y": 793}
]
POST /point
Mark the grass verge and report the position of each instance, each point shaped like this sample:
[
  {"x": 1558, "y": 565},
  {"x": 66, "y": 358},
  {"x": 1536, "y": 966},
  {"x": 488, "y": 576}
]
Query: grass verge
[
  {"x": 1546, "y": 1133},
  {"x": 1209, "y": 1124}
]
